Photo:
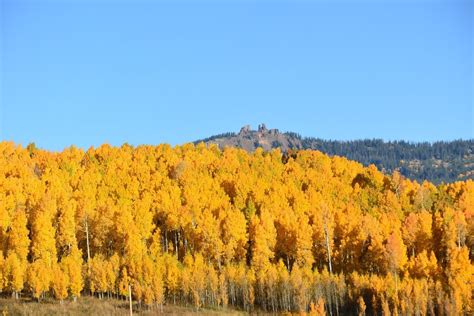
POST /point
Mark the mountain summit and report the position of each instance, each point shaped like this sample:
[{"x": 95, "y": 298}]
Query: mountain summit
[
  {"x": 443, "y": 161},
  {"x": 250, "y": 140}
]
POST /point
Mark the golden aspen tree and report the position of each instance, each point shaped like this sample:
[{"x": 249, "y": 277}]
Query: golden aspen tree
[
  {"x": 248, "y": 288},
  {"x": 157, "y": 283},
  {"x": 423, "y": 265},
  {"x": 86, "y": 200},
  {"x": 323, "y": 229},
  {"x": 461, "y": 228},
  {"x": 112, "y": 272},
  {"x": 267, "y": 287},
  {"x": 304, "y": 243},
  {"x": 60, "y": 283},
  {"x": 198, "y": 279},
  {"x": 234, "y": 236},
  {"x": 146, "y": 280},
  {"x": 419, "y": 296},
  {"x": 98, "y": 277},
  {"x": 212, "y": 286},
  {"x": 417, "y": 232},
  {"x": 148, "y": 296},
  {"x": 66, "y": 232},
  {"x": 143, "y": 217},
  {"x": 39, "y": 278},
  {"x": 286, "y": 236},
  {"x": 17, "y": 245},
  {"x": 373, "y": 253},
  {"x": 396, "y": 252},
  {"x": 423, "y": 200},
  {"x": 207, "y": 236},
  {"x": 133, "y": 247},
  {"x": 13, "y": 274},
  {"x": 410, "y": 231},
  {"x": 223, "y": 298},
  {"x": 155, "y": 249},
  {"x": 169, "y": 207},
  {"x": 282, "y": 287},
  {"x": 390, "y": 204},
  {"x": 263, "y": 239},
  {"x": 460, "y": 274},
  {"x": 446, "y": 234},
  {"x": 72, "y": 267},
  {"x": 43, "y": 243},
  {"x": 172, "y": 272},
  {"x": 18, "y": 240},
  {"x": 43, "y": 247},
  {"x": 124, "y": 282},
  {"x": 185, "y": 279},
  {"x": 300, "y": 287},
  {"x": 230, "y": 274}
]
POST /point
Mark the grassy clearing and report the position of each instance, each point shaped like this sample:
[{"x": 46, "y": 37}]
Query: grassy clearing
[{"x": 95, "y": 306}]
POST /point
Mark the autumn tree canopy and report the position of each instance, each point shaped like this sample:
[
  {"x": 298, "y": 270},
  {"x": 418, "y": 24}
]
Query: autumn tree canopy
[{"x": 195, "y": 224}]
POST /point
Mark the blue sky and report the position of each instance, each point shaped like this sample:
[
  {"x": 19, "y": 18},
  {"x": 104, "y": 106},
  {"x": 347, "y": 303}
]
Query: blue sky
[{"x": 89, "y": 72}]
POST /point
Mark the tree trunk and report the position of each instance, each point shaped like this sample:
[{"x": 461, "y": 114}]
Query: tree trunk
[
  {"x": 176, "y": 243},
  {"x": 328, "y": 247},
  {"x": 88, "y": 249},
  {"x": 130, "y": 298}
]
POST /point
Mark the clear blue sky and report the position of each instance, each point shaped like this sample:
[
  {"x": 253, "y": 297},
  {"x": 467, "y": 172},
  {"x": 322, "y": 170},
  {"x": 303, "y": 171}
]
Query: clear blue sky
[{"x": 89, "y": 72}]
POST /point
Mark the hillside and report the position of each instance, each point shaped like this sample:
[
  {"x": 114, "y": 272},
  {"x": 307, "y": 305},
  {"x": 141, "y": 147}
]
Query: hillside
[
  {"x": 199, "y": 227},
  {"x": 436, "y": 162}
]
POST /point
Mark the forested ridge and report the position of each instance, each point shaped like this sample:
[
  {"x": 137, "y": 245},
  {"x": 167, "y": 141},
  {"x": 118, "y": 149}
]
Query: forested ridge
[
  {"x": 200, "y": 226},
  {"x": 437, "y": 162}
]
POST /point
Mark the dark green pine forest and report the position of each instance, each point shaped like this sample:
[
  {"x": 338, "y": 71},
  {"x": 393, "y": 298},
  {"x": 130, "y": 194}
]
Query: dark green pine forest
[{"x": 438, "y": 162}]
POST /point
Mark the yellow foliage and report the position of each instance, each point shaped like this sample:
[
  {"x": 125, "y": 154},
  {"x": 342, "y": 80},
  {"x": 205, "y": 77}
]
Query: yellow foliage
[{"x": 196, "y": 225}]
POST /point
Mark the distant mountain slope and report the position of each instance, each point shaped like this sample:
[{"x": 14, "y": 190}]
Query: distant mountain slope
[{"x": 437, "y": 162}]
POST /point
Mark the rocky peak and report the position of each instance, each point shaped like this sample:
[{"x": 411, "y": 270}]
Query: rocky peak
[{"x": 245, "y": 130}]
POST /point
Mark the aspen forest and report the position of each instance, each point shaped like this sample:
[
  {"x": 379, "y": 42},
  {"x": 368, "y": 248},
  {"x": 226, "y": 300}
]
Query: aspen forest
[{"x": 198, "y": 226}]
